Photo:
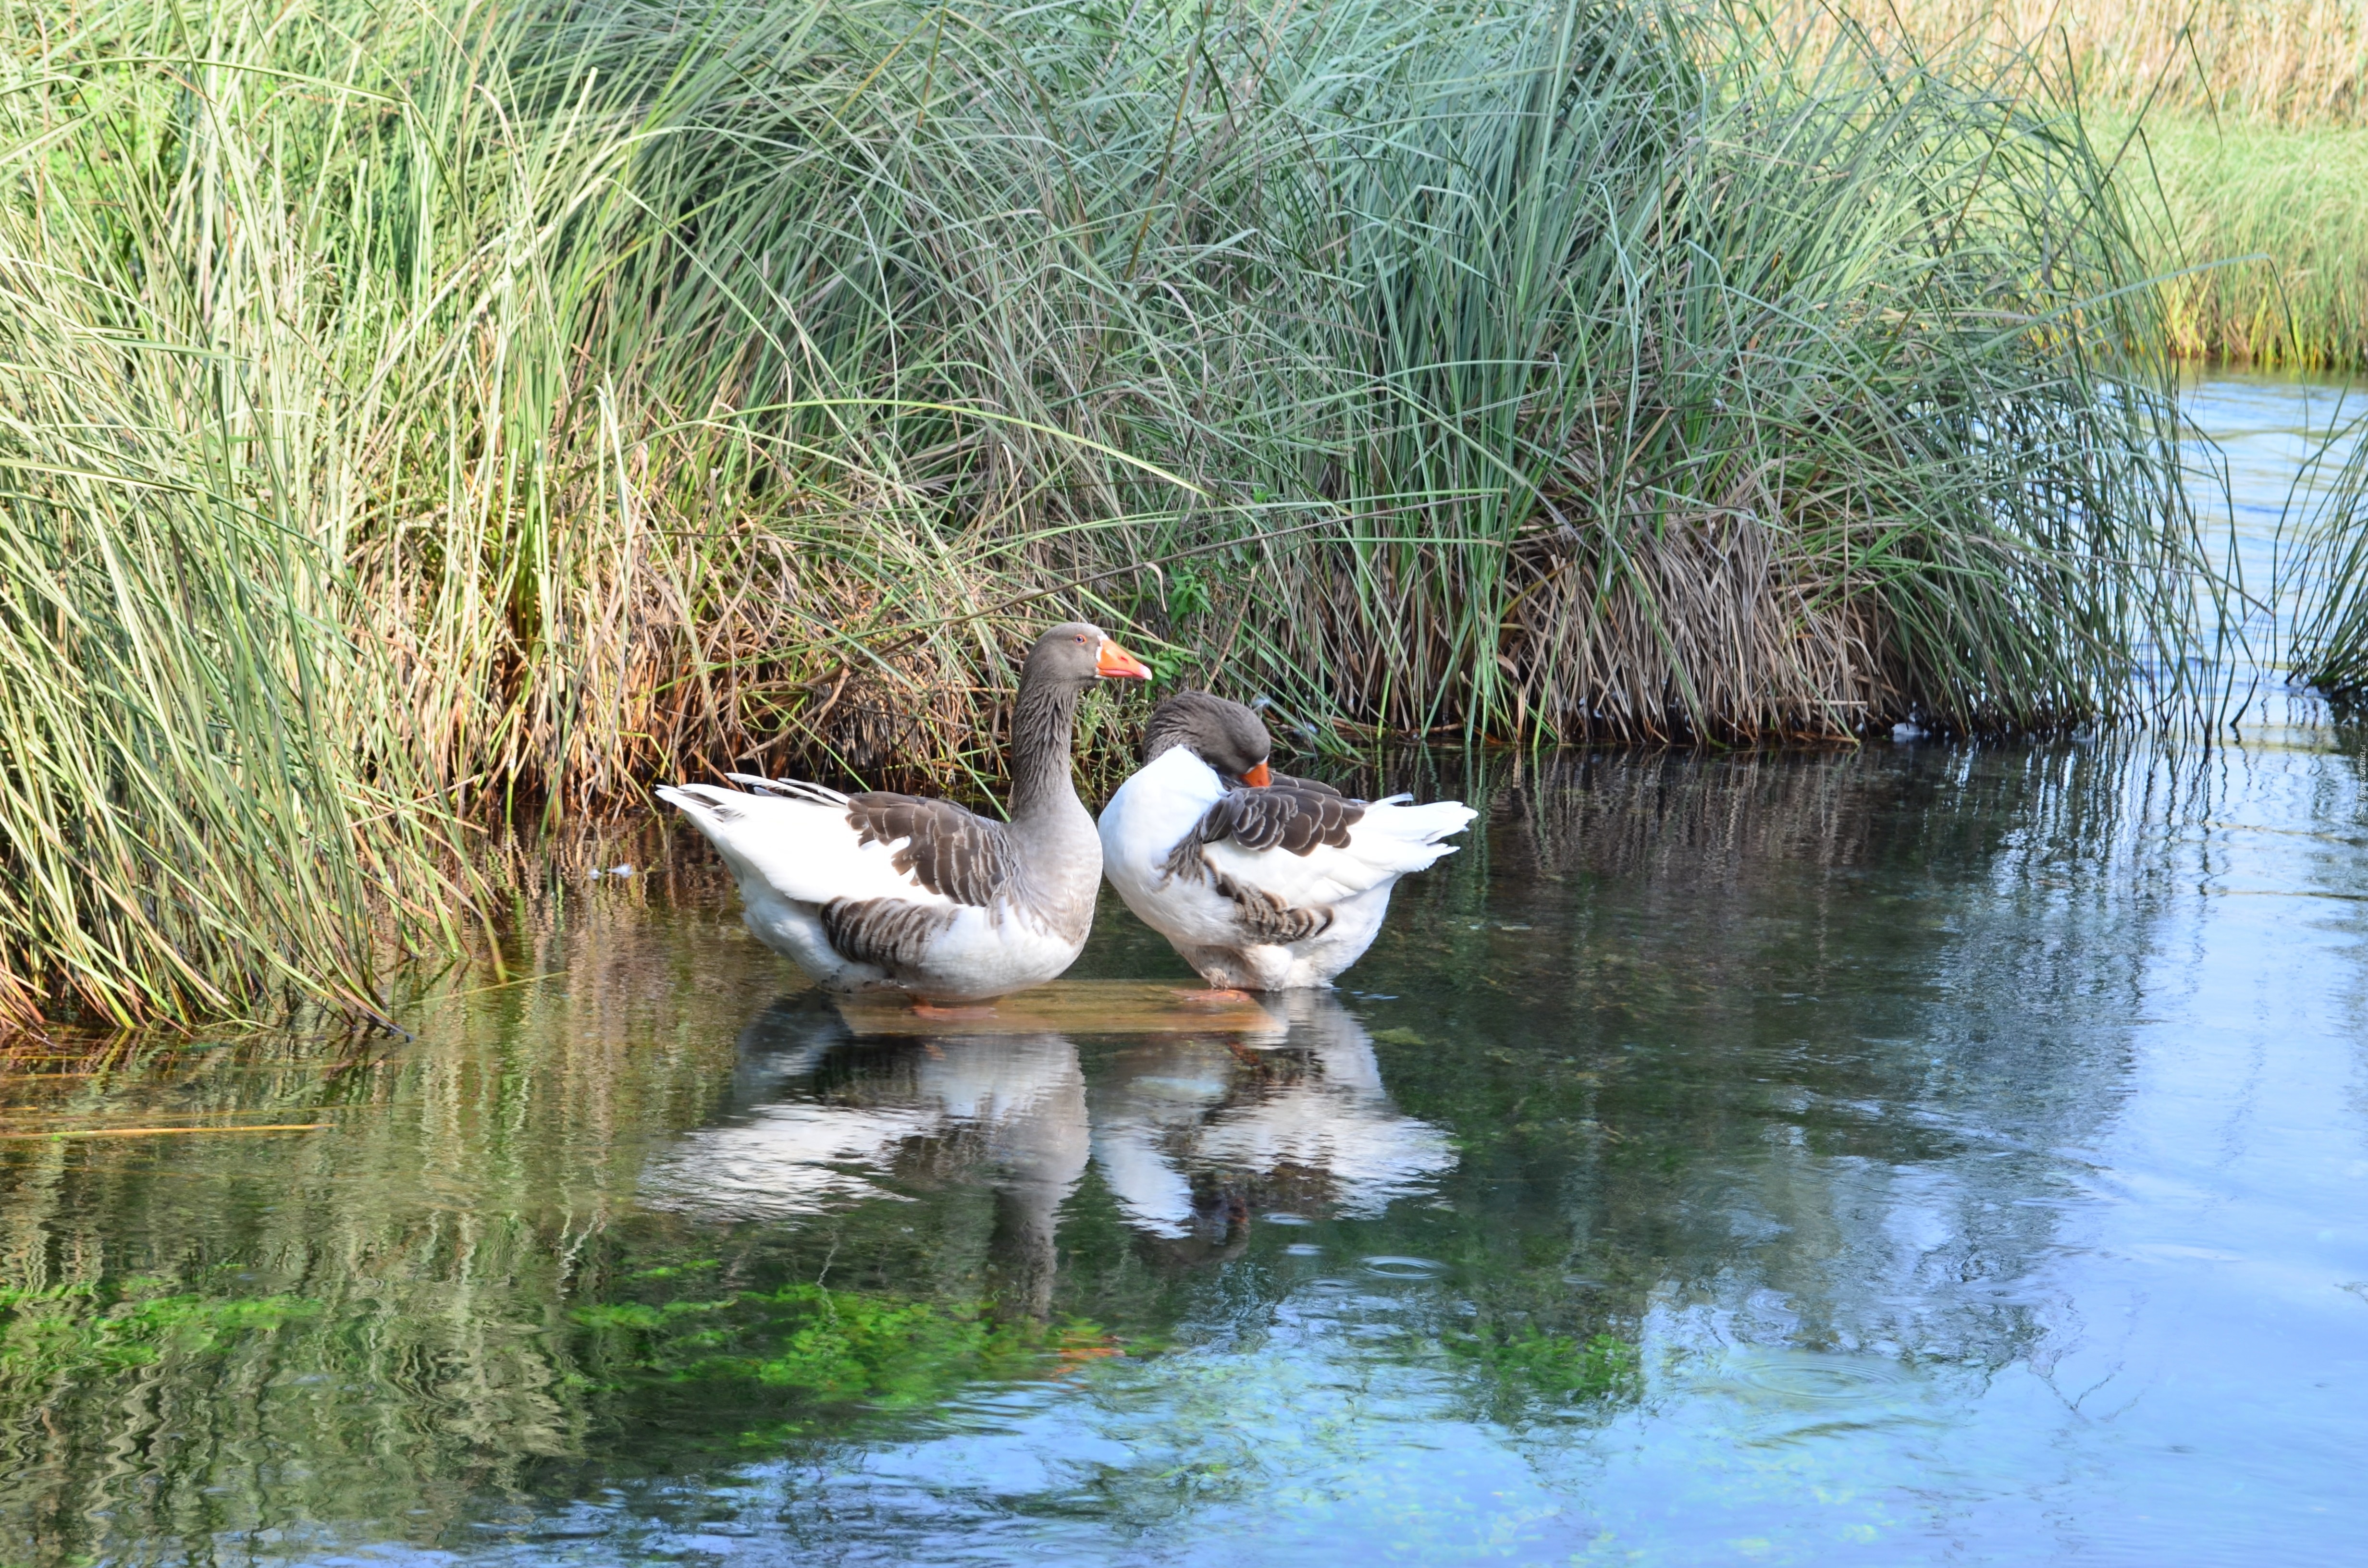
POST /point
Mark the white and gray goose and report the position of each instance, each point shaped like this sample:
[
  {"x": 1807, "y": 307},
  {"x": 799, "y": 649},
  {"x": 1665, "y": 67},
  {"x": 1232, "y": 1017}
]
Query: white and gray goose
[
  {"x": 1262, "y": 882},
  {"x": 887, "y": 891}
]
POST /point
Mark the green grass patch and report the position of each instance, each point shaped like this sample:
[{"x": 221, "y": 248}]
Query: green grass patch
[
  {"x": 824, "y": 1347},
  {"x": 2267, "y": 246}
]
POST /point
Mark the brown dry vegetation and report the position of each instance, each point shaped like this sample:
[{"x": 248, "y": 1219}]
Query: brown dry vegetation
[{"x": 2280, "y": 62}]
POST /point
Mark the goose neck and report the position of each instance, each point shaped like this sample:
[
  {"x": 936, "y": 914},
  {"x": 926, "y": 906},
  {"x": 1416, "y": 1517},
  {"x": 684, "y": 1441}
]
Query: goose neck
[{"x": 1043, "y": 725}]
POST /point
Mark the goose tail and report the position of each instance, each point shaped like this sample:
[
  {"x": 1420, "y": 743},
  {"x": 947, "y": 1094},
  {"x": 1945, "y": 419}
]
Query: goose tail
[
  {"x": 795, "y": 788},
  {"x": 710, "y": 810},
  {"x": 1405, "y": 837}
]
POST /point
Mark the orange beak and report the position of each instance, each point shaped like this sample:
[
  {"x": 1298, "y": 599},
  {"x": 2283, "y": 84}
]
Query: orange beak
[
  {"x": 1116, "y": 664},
  {"x": 1259, "y": 777}
]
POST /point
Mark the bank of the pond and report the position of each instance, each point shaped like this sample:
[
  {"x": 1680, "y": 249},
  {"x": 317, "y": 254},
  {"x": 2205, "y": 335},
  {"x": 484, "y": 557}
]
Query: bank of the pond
[
  {"x": 435, "y": 414},
  {"x": 2251, "y": 180},
  {"x": 2264, "y": 61}
]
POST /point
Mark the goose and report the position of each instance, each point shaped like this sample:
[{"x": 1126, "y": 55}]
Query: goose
[
  {"x": 880, "y": 891},
  {"x": 1260, "y": 880}
]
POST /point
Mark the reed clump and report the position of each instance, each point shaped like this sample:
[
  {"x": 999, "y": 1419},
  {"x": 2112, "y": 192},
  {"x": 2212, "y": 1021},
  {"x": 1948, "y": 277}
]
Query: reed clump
[
  {"x": 510, "y": 404},
  {"x": 2329, "y": 647},
  {"x": 200, "y": 805}
]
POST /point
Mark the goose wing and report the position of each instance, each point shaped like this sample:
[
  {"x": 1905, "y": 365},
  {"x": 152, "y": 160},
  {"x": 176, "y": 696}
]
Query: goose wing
[
  {"x": 1302, "y": 846},
  {"x": 1307, "y": 786},
  {"x": 885, "y": 874},
  {"x": 938, "y": 845},
  {"x": 815, "y": 845}
]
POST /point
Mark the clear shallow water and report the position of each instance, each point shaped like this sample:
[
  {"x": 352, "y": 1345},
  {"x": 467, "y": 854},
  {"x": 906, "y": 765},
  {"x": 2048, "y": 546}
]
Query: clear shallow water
[
  {"x": 1931, "y": 1154},
  {"x": 2277, "y": 443}
]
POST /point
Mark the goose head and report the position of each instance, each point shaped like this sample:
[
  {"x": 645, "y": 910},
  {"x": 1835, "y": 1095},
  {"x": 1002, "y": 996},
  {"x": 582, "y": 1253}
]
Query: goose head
[
  {"x": 1225, "y": 735},
  {"x": 1075, "y": 655}
]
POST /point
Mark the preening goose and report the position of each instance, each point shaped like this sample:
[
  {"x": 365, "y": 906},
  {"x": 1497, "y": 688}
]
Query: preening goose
[
  {"x": 886, "y": 891},
  {"x": 1262, "y": 882}
]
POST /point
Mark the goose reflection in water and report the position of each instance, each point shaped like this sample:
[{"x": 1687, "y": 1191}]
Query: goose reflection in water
[
  {"x": 1186, "y": 1130},
  {"x": 1011, "y": 1108}
]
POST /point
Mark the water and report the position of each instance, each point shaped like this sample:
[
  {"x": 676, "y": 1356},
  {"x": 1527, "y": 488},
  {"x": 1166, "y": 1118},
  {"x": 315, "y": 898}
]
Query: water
[{"x": 1930, "y": 1155}]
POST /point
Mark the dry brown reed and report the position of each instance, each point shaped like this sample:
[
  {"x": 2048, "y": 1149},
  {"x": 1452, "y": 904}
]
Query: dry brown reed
[{"x": 2283, "y": 62}]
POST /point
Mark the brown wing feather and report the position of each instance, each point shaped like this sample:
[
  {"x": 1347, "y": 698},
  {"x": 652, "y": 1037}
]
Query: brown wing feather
[
  {"x": 1265, "y": 918},
  {"x": 1285, "y": 817},
  {"x": 948, "y": 850},
  {"x": 888, "y": 932},
  {"x": 1309, "y": 786},
  {"x": 1288, "y": 815}
]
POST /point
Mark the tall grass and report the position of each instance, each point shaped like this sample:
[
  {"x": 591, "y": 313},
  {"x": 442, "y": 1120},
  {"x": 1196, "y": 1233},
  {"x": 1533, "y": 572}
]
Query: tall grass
[
  {"x": 2270, "y": 262},
  {"x": 198, "y": 806},
  {"x": 2265, "y": 61},
  {"x": 553, "y": 396}
]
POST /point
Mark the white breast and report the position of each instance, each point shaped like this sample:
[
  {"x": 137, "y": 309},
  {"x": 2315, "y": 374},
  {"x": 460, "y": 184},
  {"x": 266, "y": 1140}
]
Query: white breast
[{"x": 1163, "y": 800}]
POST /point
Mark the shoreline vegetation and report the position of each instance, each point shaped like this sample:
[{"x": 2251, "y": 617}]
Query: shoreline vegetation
[
  {"x": 419, "y": 422},
  {"x": 2265, "y": 250},
  {"x": 2281, "y": 62},
  {"x": 2241, "y": 128}
]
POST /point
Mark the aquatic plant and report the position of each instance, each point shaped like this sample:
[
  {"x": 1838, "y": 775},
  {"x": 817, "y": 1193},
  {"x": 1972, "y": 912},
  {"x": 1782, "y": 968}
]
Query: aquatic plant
[
  {"x": 63, "y": 1332},
  {"x": 1532, "y": 1366},
  {"x": 825, "y": 1347},
  {"x": 478, "y": 411}
]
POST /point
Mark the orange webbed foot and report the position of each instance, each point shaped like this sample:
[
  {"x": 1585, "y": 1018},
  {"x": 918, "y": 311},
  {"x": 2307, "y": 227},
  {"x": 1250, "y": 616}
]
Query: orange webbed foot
[{"x": 956, "y": 1011}]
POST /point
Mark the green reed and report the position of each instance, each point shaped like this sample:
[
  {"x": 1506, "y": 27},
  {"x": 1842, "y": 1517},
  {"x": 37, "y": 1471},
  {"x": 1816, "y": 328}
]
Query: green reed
[
  {"x": 2266, "y": 250},
  {"x": 476, "y": 411},
  {"x": 198, "y": 806},
  {"x": 2328, "y": 645}
]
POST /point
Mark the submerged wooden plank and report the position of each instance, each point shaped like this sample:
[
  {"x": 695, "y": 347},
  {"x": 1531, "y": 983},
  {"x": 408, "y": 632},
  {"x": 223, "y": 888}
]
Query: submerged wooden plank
[{"x": 1071, "y": 1006}]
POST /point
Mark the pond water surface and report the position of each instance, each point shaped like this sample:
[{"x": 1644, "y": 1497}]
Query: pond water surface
[{"x": 1926, "y": 1154}]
